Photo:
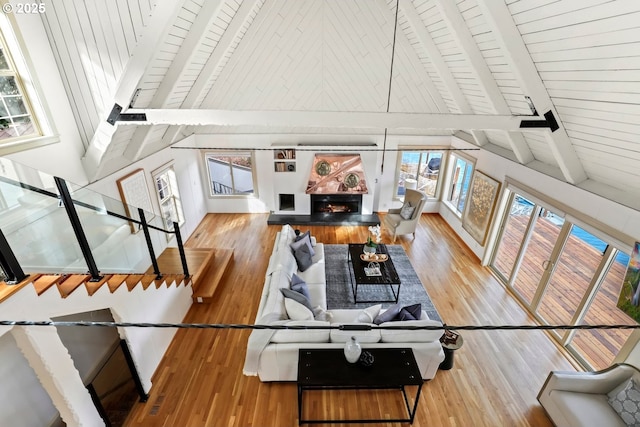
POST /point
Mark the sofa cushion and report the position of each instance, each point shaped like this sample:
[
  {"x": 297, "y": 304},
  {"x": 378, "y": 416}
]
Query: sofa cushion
[
  {"x": 338, "y": 335},
  {"x": 315, "y": 274},
  {"x": 586, "y": 409},
  {"x": 297, "y": 311},
  {"x": 318, "y": 295},
  {"x": 302, "y": 335},
  {"x": 303, "y": 239},
  {"x": 300, "y": 286},
  {"x": 406, "y": 336},
  {"x": 296, "y": 296},
  {"x": 368, "y": 314},
  {"x": 388, "y": 315},
  {"x": 626, "y": 403},
  {"x": 303, "y": 257},
  {"x": 410, "y": 312}
]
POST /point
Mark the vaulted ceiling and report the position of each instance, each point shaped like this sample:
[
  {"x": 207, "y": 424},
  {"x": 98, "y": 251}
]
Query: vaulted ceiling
[{"x": 325, "y": 67}]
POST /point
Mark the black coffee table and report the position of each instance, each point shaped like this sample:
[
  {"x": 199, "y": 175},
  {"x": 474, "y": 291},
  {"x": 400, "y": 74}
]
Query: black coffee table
[
  {"x": 359, "y": 278},
  {"x": 327, "y": 369}
]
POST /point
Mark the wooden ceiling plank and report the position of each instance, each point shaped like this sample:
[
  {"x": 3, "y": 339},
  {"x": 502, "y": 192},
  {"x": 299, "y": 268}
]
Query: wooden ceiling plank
[
  {"x": 508, "y": 37},
  {"x": 458, "y": 28},
  {"x": 188, "y": 50},
  {"x": 163, "y": 15}
]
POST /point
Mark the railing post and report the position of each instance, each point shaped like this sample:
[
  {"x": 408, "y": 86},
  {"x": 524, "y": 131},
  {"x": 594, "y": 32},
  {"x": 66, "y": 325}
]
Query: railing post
[
  {"x": 9, "y": 263},
  {"x": 183, "y": 257},
  {"x": 67, "y": 201},
  {"x": 147, "y": 236}
]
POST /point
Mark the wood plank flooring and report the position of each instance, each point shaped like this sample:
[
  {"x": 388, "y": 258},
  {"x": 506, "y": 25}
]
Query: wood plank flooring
[{"x": 494, "y": 381}]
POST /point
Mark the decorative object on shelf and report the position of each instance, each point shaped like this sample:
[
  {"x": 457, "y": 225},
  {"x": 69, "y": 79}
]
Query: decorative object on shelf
[
  {"x": 352, "y": 350},
  {"x": 373, "y": 269},
  {"x": 374, "y": 257},
  {"x": 351, "y": 180},
  {"x": 323, "y": 168},
  {"x": 366, "y": 359},
  {"x": 370, "y": 246}
]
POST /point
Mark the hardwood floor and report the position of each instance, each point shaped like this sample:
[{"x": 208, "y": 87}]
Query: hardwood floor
[{"x": 494, "y": 381}]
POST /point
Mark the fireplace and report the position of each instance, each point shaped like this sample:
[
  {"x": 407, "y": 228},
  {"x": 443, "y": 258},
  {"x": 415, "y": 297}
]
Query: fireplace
[{"x": 336, "y": 204}]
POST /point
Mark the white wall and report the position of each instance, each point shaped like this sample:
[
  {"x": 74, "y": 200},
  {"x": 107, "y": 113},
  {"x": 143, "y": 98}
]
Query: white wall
[{"x": 62, "y": 158}]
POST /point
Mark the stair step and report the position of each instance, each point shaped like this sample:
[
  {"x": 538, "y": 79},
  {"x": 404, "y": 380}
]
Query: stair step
[
  {"x": 132, "y": 280},
  {"x": 44, "y": 282},
  {"x": 92, "y": 287},
  {"x": 205, "y": 288},
  {"x": 70, "y": 283},
  {"x": 7, "y": 290},
  {"x": 147, "y": 280},
  {"x": 116, "y": 280}
]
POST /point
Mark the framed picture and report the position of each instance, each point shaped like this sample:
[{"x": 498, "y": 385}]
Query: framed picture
[
  {"x": 480, "y": 205},
  {"x": 134, "y": 194},
  {"x": 629, "y": 300}
]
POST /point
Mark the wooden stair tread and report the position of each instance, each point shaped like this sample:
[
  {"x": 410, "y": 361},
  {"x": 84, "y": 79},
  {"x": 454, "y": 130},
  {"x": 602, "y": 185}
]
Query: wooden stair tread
[
  {"x": 44, "y": 282},
  {"x": 116, "y": 280},
  {"x": 205, "y": 289},
  {"x": 132, "y": 280},
  {"x": 92, "y": 287},
  {"x": 147, "y": 280},
  {"x": 7, "y": 290},
  {"x": 70, "y": 283}
]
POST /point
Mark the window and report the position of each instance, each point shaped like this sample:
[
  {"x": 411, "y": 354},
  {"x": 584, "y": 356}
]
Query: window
[
  {"x": 168, "y": 197},
  {"x": 420, "y": 170},
  {"x": 230, "y": 173},
  {"x": 460, "y": 181},
  {"x": 15, "y": 117}
]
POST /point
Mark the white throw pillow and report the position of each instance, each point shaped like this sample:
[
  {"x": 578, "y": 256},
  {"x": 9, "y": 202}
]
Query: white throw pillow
[
  {"x": 407, "y": 210},
  {"x": 297, "y": 311},
  {"x": 368, "y": 314}
]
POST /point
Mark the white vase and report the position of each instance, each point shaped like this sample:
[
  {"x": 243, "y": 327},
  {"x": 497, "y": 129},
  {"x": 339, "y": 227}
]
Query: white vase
[
  {"x": 369, "y": 249},
  {"x": 352, "y": 350}
]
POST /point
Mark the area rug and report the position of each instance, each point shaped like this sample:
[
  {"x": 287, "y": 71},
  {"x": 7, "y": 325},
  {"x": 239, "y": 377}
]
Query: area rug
[{"x": 340, "y": 295}]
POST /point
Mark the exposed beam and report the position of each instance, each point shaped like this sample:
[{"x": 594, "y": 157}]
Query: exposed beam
[
  {"x": 342, "y": 119},
  {"x": 508, "y": 37},
  {"x": 163, "y": 15},
  {"x": 188, "y": 49},
  {"x": 414, "y": 20},
  {"x": 460, "y": 32},
  {"x": 215, "y": 60}
]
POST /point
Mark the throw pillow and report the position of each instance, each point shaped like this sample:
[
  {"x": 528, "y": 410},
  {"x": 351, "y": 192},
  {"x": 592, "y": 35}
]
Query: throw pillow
[
  {"x": 410, "y": 312},
  {"x": 627, "y": 404},
  {"x": 296, "y": 296},
  {"x": 368, "y": 314},
  {"x": 320, "y": 313},
  {"x": 388, "y": 315},
  {"x": 303, "y": 257},
  {"x": 297, "y": 311},
  {"x": 299, "y": 285},
  {"x": 303, "y": 239},
  {"x": 407, "y": 210}
]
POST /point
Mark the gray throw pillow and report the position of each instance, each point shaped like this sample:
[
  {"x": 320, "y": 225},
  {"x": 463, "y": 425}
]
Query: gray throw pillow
[
  {"x": 627, "y": 404},
  {"x": 303, "y": 239},
  {"x": 388, "y": 315},
  {"x": 299, "y": 285},
  {"x": 303, "y": 257},
  {"x": 410, "y": 312},
  {"x": 407, "y": 210},
  {"x": 297, "y": 296}
]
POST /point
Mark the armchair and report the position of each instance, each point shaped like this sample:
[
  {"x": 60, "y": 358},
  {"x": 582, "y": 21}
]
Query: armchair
[{"x": 394, "y": 220}]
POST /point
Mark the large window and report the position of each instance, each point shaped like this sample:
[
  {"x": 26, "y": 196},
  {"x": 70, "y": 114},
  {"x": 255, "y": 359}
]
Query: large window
[
  {"x": 460, "y": 181},
  {"x": 419, "y": 170},
  {"x": 230, "y": 173},
  {"x": 168, "y": 196}
]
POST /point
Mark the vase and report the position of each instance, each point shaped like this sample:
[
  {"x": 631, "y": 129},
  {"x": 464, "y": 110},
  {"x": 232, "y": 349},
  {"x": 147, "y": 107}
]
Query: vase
[
  {"x": 369, "y": 249},
  {"x": 352, "y": 350}
]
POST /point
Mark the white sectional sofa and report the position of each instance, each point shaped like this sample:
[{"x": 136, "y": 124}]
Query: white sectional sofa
[
  {"x": 273, "y": 354},
  {"x": 576, "y": 399}
]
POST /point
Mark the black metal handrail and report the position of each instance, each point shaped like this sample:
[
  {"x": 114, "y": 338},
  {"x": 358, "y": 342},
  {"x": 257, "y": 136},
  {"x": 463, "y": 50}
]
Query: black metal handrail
[{"x": 12, "y": 269}]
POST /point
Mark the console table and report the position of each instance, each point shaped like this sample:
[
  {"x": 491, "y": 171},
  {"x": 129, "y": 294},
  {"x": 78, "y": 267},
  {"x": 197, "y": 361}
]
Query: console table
[{"x": 327, "y": 369}]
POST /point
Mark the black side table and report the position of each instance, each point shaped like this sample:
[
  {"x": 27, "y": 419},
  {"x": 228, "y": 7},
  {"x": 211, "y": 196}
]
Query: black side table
[{"x": 449, "y": 348}]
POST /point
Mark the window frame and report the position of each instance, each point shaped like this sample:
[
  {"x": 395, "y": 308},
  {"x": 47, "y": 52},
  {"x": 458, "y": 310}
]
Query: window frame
[
  {"x": 173, "y": 197},
  {"x": 230, "y": 153},
  {"x": 451, "y": 167},
  {"x": 31, "y": 91},
  {"x": 422, "y": 151}
]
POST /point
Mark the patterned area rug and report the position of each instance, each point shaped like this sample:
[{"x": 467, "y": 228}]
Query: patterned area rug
[{"x": 340, "y": 295}]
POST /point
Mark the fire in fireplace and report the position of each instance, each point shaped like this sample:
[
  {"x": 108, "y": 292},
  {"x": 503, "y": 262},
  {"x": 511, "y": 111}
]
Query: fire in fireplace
[{"x": 330, "y": 204}]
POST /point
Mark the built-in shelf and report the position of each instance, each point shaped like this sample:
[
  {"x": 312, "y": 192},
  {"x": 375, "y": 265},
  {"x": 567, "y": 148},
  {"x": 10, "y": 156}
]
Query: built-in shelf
[{"x": 285, "y": 160}]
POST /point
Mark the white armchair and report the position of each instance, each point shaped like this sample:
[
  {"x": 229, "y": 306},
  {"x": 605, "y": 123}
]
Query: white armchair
[
  {"x": 574, "y": 399},
  {"x": 394, "y": 220}
]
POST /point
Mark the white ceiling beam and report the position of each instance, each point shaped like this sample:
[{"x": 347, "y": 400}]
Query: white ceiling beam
[
  {"x": 443, "y": 70},
  {"x": 238, "y": 22},
  {"x": 342, "y": 119},
  {"x": 188, "y": 49},
  {"x": 460, "y": 31},
  {"x": 510, "y": 40},
  {"x": 164, "y": 14}
]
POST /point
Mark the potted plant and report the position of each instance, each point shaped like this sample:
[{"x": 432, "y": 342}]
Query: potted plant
[{"x": 370, "y": 246}]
